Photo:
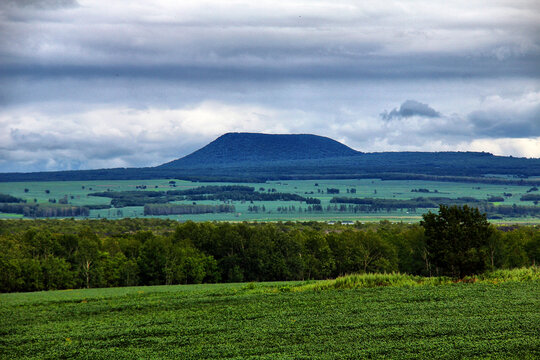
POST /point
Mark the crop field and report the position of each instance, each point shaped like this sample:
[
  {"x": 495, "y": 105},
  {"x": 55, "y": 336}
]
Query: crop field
[
  {"x": 76, "y": 193},
  {"x": 275, "y": 321}
]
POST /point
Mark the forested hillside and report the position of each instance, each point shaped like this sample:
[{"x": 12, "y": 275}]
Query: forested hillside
[
  {"x": 234, "y": 148},
  {"x": 242, "y": 157}
]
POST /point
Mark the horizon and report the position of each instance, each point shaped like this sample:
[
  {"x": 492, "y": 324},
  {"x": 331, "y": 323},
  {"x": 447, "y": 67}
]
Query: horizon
[
  {"x": 127, "y": 84},
  {"x": 253, "y": 133}
]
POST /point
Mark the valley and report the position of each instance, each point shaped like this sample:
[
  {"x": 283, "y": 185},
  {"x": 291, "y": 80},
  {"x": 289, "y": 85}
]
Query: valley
[{"x": 398, "y": 200}]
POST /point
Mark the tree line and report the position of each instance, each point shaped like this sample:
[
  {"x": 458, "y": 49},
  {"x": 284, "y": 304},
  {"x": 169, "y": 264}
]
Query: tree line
[
  {"x": 59, "y": 254},
  {"x": 5, "y": 198},
  {"x": 485, "y": 206},
  {"x": 201, "y": 193},
  {"x": 179, "y": 209},
  {"x": 45, "y": 210}
]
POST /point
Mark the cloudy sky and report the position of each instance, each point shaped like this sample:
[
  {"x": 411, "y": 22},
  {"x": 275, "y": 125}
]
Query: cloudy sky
[{"x": 123, "y": 83}]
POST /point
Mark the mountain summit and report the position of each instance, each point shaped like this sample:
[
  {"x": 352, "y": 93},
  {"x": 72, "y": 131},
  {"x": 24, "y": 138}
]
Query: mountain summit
[
  {"x": 255, "y": 148},
  {"x": 257, "y": 157}
]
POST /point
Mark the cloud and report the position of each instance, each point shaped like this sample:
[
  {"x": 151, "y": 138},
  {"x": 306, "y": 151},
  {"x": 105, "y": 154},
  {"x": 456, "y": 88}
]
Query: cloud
[
  {"x": 266, "y": 40},
  {"x": 495, "y": 117},
  {"x": 508, "y": 117},
  {"x": 42, "y": 4},
  {"x": 411, "y": 108},
  {"x": 522, "y": 147},
  {"x": 128, "y": 83},
  {"x": 508, "y": 125},
  {"x": 111, "y": 137},
  {"x": 105, "y": 136}
]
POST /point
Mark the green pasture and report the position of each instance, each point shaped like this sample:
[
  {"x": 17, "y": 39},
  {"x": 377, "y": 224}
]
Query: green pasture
[
  {"x": 77, "y": 194},
  {"x": 276, "y": 321}
]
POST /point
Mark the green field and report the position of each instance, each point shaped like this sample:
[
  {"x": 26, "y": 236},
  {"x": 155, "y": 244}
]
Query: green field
[
  {"x": 77, "y": 194},
  {"x": 275, "y": 321}
]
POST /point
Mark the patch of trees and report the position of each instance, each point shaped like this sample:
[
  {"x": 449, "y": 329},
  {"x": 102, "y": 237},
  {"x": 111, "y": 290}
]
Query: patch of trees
[
  {"x": 133, "y": 198},
  {"x": 52, "y": 254},
  {"x": 180, "y": 209},
  {"x": 97, "y": 206},
  {"x": 218, "y": 193},
  {"x": 374, "y": 205},
  {"x": 256, "y": 208},
  {"x": 253, "y": 196},
  {"x": 509, "y": 210},
  {"x": 419, "y": 202},
  {"x": 332, "y": 191},
  {"x": 530, "y": 197},
  {"x": 495, "y": 199},
  {"x": 47, "y": 254},
  {"x": 42, "y": 210},
  {"x": 455, "y": 240},
  {"x": 424, "y": 190},
  {"x": 5, "y": 198},
  {"x": 234, "y": 193},
  {"x": 211, "y": 189}
]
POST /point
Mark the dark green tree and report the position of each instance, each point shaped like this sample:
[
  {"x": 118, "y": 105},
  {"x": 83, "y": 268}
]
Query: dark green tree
[
  {"x": 456, "y": 240},
  {"x": 152, "y": 260}
]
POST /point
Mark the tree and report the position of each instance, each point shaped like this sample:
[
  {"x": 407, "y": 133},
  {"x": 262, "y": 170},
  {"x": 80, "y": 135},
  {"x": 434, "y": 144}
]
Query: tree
[
  {"x": 361, "y": 251},
  {"x": 87, "y": 253},
  {"x": 495, "y": 248},
  {"x": 317, "y": 255},
  {"x": 57, "y": 273},
  {"x": 152, "y": 260},
  {"x": 456, "y": 240}
]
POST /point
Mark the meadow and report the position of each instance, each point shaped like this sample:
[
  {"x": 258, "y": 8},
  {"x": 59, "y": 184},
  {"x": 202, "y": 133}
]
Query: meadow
[
  {"x": 76, "y": 193},
  {"x": 495, "y": 317}
]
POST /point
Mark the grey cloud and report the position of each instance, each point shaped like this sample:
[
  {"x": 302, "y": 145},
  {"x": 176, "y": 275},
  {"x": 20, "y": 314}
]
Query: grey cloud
[
  {"x": 411, "y": 108},
  {"x": 43, "y": 4},
  {"x": 507, "y": 123},
  {"x": 415, "y": 123},
  {"x": 92, "y": 147},
  {"x": 343, "y": 41},
  {"x": 327, "y": 69},
  {"x": 281, "y": 68}
]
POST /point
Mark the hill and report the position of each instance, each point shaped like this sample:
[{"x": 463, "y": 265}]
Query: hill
[
  {"x": 251, "y": 157},
  {"x": 234, "y": 148}
]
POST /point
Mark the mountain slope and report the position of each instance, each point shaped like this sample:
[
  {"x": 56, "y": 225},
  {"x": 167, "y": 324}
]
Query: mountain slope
[
  {"x": 234, "y": 148},
  {"x": 260, "y": 157}
]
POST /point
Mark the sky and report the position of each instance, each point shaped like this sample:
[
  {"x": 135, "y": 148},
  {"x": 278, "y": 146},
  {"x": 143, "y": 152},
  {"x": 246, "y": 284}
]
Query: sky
[{"x": 130, "y": 83}]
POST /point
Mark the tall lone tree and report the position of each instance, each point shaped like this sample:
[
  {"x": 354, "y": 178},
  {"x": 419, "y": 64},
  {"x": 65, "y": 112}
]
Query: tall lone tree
[{"x": 456, "y": 240}]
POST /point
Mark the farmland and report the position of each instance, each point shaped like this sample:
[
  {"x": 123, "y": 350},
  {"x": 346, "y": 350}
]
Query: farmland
[
  {"x": 492, "y": 319},
  {"x": 77, "y": 193}
]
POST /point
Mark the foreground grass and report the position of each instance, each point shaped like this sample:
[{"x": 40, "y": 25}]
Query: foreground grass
[
  {"x": 496, "y": 317},
  {"x": 358, "y": 281}
]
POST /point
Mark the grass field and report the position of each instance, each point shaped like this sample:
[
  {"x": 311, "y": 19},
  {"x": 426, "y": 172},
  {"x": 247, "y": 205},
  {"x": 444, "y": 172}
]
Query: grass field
[
  {"x": 276, "y": 321},
  {"x": 77, "y": 191}
]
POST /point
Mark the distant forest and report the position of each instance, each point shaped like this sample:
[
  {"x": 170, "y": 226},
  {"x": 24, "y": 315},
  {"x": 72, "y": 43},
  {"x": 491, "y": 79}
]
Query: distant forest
[
  {"x": 456, "y": 167},
  {"x": 220, "y": 193},
  {"x": 164, "y": 203}
]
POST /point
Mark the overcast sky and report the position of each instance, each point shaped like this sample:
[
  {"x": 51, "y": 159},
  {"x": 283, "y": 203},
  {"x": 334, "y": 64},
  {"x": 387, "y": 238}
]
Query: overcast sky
[{"x": 125, "y": 83}]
